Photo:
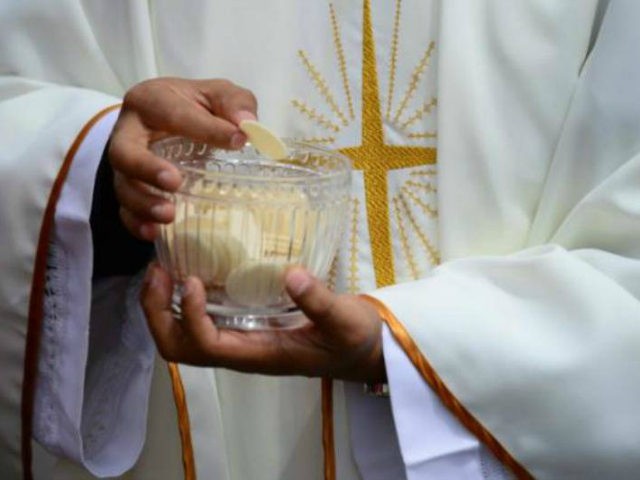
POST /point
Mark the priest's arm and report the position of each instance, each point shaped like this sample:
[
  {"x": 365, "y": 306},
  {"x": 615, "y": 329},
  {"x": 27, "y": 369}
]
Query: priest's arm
[
  {"x": 75, "y": 349},
  {"x": 85, "y": 376}
]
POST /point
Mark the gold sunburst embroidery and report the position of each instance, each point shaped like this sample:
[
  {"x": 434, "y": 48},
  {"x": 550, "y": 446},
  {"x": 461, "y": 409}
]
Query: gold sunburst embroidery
[
  {"x": 316, "y": 117},
  {"x": 413, "y": 83},
  {"x": 421, "y": 135},
  {"x": 342, "y": 62},
  {"x": 317, "y": 140},
  {"x": 426, "y": 242},
  {"x": 353, "y": 276},
  {"x": 424, "y": 186},
  {"x": 322, "y": 86},
  {"x": 373, "y": 156},
  {"x": 418, "y": 114},
  {"x": 404, "y": 240},
  {"x": 394, "y": 58},
  {"x": 411, "y": 196},
  {"x": 332, "y": 276},
  {"x": 423, "y": 172}
]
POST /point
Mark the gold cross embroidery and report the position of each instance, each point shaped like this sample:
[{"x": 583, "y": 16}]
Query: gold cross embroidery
[{"x": 375, "y": 158}]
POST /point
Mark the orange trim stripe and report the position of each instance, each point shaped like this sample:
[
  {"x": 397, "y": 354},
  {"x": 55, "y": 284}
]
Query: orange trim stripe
[
  {"x": 451, "y": 402},
  {"x": 36, "y": 298},
  {"x": 327, "y": 430},
  {"x": 184, "y": 426}
]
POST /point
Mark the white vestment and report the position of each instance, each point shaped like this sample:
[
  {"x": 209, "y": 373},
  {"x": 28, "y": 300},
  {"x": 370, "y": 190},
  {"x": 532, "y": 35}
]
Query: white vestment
[{"x": 529, "y": 323}]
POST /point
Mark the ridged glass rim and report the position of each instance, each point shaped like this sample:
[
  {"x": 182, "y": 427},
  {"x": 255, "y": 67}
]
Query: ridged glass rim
[{"x": 343, "y": 172}]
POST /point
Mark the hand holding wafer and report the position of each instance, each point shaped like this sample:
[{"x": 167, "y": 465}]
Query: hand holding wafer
[{"x": 203, "y": 110}]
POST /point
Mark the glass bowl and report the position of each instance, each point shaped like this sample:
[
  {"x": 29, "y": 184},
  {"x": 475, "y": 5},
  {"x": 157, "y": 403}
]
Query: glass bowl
[{"x": 243, "y": 219}]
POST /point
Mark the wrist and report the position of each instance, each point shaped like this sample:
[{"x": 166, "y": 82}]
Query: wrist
[{"x": 378, "y": 372}]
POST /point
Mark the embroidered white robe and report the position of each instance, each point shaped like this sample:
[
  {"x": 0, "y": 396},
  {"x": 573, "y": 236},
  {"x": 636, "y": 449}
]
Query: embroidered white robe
[{"x": 529, "y": 322}]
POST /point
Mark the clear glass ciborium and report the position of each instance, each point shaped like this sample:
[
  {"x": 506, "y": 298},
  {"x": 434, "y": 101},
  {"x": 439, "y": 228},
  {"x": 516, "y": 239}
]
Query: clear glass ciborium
[{"x": 242, "y": 219}]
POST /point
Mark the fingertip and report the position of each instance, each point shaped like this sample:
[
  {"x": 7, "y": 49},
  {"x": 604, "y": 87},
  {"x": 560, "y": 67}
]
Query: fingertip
[
  {"x": 169, "y": 179},
  {"x": 193, "y": 296},
  {"x": 154, "y": 286},
  {"x": 148, "y": 231},
  {"x": 238, "y": 140},
  {"x": 297, "y": 281},
  {"x": 160, "y": 276},
  {"x": 137, "y": 227},
  {"x": 150, "y": 272},
  {"x": 192, "y": 287},
  {"x": 163, "y": 212},
  {"x": 194, "y": 312},
  {"x": 242, "y": 115}
]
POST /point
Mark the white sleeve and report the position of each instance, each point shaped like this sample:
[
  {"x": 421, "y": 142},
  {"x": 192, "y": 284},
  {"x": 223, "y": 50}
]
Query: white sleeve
[
  {"x": 536, "y": 350},
  {"x": 433, "y": 442},
  {"x": 96, "y": 355},
  {"x": 373, "y": 435}
]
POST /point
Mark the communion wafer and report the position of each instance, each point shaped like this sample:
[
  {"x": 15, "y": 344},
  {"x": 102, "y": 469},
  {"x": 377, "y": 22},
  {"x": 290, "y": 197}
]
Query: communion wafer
[
  {"x": 284, "y": 225},
  {"x": 264, "y": 140},
  {"x": 206, "y": 251},
  {"x": 256, "y": 284}
]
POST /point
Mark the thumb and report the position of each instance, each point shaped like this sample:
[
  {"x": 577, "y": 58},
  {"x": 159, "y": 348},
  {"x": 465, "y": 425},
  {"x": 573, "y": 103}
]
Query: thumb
[{"x": 318, "y": 303}]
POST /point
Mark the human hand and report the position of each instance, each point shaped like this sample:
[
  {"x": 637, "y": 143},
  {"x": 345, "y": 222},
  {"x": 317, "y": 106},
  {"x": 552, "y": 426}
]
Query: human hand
[
  {"x": 203, "y": 110},
  {"x": 342, "y": 341}
]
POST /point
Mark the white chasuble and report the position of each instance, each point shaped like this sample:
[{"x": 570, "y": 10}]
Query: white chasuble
[
  {"x": 527, "y": 331},
  {"x": 361, "y": 80},
  {"x": 338, "y": 74}
]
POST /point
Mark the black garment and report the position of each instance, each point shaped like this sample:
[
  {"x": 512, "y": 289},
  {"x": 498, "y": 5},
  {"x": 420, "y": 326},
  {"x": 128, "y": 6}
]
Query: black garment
[{"x": 115, "y": 250}]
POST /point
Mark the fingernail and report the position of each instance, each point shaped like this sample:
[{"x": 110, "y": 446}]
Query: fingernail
[
  {"x": 298, "y": 281},
  {"x": 188, "y": 288},
  {"x": 147, "y": 231},
  {"x": 148, "y": 275},
  {"x": 244, "y": 115},
  {"x": 165, "y": 179},
  {"x": 159, "y": 211},
  {"x": 238, "y": 140},
  {"x": 151, "y": 278}
]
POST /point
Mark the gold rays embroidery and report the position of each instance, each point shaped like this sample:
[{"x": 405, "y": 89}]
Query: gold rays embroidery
[
  {"x": 373, "y": 156},
  {"x": 411, "y": 196},
  {"x": 423, "y": 172},
  {"x": 316, "y": 117},
  {"x": 342, "y": 63},
  {"x": 317, "y": 140},
  {"x": 413, "y": 83},
  {"x": 353, "y": 277},
  {"x": 425, "y": 241},
  {"x": 404, "y": 241},
  {"x": 427, "y": 187},
  {"x": 396, "y": 118},
  {"x": 332, "y": 276},
  {"x": 417, "y": 192},
  {"x": 426, "y": 108},
  {"x": 394, "y": 58},
  {"x": 421, "y": 135},
  {"x": 323, "y": 87}
]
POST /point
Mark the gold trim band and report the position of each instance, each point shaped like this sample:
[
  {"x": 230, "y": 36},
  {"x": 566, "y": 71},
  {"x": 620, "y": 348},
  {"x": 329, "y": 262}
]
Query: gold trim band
[
  {"x": 184, "y": 426},
  {"x": 327, "y": 430}
]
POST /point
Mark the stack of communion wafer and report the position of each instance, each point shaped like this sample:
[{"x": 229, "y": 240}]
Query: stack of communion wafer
[{"x": 237, "y": 243}]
